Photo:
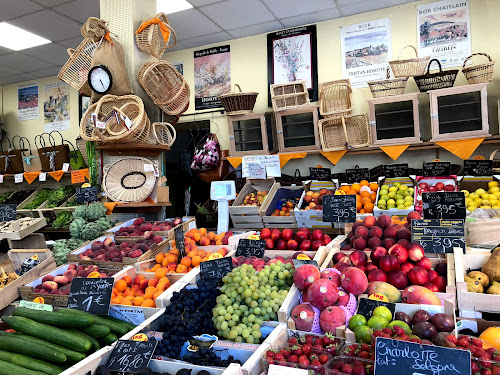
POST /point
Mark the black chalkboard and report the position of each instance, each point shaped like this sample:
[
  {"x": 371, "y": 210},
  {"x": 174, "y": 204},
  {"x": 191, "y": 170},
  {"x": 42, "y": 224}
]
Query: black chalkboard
[
  {"x": 8, "y": 212},
  {"x": 299, "y": 262},
  {"x": 376, "y": 172},
  {"x": 444, "y": 205},
  {"x": 339, "y": 176},
  {"x": 478, "y": 168},
  {"x": 357, "y": 175},
  {"x": 366, "y": 307},
  {"x": 438, "y": 168},
  {"x": 179, "y": 239},
  {"x": 409, "y": 358},
  {"x": 320, "y": 174},
  {"x": 339, "y": 208},
  {"x": 251, "y": 248},
  {"x": 414, "y": 171},
  {"x": 91, "y": 294},
  {"x": 439, "y": 236},
  {"x": 217, "y": 268},
  {"x": 130, "y": 356},
  {"x": 89, "y": 194},
  {"x": 396, "y": 170}
]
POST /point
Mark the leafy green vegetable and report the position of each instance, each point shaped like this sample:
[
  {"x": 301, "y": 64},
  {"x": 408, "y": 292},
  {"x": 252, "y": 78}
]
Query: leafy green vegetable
[
  {"x": 62, "y": 247},
  {"x": 95, "y": 211},
  {"x": 72, "y": 203},
  {"x": 75, "y": 228},
  {"x": 91, "y": 231},
  {"x": 41, "y": 197},
  {"x": 4, "y": 196},
  {"x": 63, "y": 219},
  {"x": 58, "y": 197}
]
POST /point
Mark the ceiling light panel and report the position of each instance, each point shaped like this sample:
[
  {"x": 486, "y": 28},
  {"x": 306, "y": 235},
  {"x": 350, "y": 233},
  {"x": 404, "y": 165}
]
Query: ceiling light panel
[
  {"x": 17, "y": 39},
  {"x": 172, "y": 6}
]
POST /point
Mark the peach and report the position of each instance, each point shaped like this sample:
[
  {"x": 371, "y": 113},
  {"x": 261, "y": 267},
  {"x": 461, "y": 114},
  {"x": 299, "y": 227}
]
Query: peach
[
  {"x": 391, "y": 232},
  {"x": 384, "y": 221},
  {"x": 138, "y": 279},
  {"x": 204, "y": 241},
  {"x": 374, "y": 242},
  {"x": 414, "y": 215},
  {"x": 361, "y": 232},
  {"x": 144, "y": 284},
  {"x": 172, "y": 266},
  {"x": 388, "y": 243},
  {"x": 61, "y": 280},
  {"x": 404, "y": 234},
  {"x": 369, "y": 221},
  {"x": 50, "y": 285},
  {"x": 376, "y": 231},
  {"x": 359, "y": 244},
  {"x": 47, "y": 278},
  {"x": 153, "y": 282}
]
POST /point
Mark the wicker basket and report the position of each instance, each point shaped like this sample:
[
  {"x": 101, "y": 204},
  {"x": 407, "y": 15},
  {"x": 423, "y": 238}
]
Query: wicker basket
[
  {"x": 344, "y": 132},
  {"x": 335, "y": 98},
  {"x": 238, "y": 103},
  {"x": 163, "y": 133},
  {"x": 409, "y": 67},
  {"x": 434, "y": 81},
  {"x": 88, "y": 131},
  {"x": 151, "y": 39},
  {"x": 358, "y": 132},
  {"x": 75, "y": 71},
  {"x": 482, "y": 73},
  {"x": 496, "y": 162},
  {"x": 289, "y": 95},
  {"x": 165, "y": 86},
  {"x": 388, "y": 87}
]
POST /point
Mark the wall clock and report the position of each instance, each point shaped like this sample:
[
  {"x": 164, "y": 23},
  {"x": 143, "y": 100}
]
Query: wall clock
[{"x": 100, "y": 79}]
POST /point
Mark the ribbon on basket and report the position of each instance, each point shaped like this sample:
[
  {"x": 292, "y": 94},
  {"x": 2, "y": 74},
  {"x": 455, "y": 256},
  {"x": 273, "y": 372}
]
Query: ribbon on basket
[
  {"x": 463, "y": 148},
  {"x": 107, "y": 37},
  {"x": 27, "y": 159},
  {"x": 7, "y": 160},
  {"x": 31, "y": 176},
  {"x": 51, "y": 155},
  {"x": 165, "y": 32}
]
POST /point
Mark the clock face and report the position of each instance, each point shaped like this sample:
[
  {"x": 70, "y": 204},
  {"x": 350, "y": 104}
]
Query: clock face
[{"x": 100, "y": 79}]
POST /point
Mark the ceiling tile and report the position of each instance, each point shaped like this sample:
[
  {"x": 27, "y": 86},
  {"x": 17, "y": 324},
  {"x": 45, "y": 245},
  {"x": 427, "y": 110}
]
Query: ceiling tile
[
  {"x": 52, "y": 53},
  {"x": 206, "y": 39},
  {"x": 191, "y": 23},
  {"x": 367, "y": 6},
  {"x": 17, "y": 78},
  {"x": 46, "y": 72},
  {"x": 23, "y": 63},
  {"x": 4, "y": 51},
  {"x": 71, "y": 43},
  {"x": 234, "y": 14},
  {"x": 7, "y": 72},
  {"x": 311, "y": 18},
  {"x": 49, "y": 24},
  {"x": 13, "y": 9},
  {"x": 255, "y": 29},
  {"x": 51, "y": 3},
  {"x": 79, "y": 10},
  {"x": 290, "y": 8},
  {"x": 200, "y": 3},
  {"x": 341, "y": 3},
  {"x": 178, "y": 46}
]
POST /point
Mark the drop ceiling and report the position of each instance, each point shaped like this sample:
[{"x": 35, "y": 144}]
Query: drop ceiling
[{"x": 209, "y": 21}]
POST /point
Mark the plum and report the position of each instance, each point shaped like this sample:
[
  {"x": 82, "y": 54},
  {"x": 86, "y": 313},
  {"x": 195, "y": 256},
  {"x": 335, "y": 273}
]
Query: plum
[{"x": 424, "y": 330}]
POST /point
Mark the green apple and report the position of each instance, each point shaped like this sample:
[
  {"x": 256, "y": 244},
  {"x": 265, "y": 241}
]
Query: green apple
[
  {"x": 382, "y": 207},
  {"x": 410, "y": 190},
  {"x": 397, "y": 184},
  {"x": 382, "y": 202},
  {"x": 393, "y": 188},
  {"x": 401, "y": 207},
  {"x": 408, "y": 204},
  {"x": 399, "y": 196},
  {"x": 403, "y": 187},
  {"x": 391, "y": 202},
  {"x": 383, "y": 192},
  {"x": 400, "y": 202},
  {"x": 384, "y": 187},
  {"x": 409, "y": 199},
  {"x": 406, "y": 193},
  {"x": 391, "y": 206},
  {"x": 392, "y": 194},
  {"x": 385, "y": 197}
]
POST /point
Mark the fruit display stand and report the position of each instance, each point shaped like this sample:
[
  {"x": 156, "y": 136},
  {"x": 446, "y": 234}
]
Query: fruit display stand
[
  {"x": 313, "y": 217},
  {"x": 448, "y": 181},
  {"x": 275, "y": 195},
  {"x": 250, "y": 216},
  {"x": 91, "y": 363},
  {"x": 17, "y": 233},
  {"x": 16, "y": 258},
  {"x": 404, "y": 181}
]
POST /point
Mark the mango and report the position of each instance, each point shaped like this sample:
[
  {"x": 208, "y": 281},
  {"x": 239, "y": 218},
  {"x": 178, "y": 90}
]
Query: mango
[
  {"x": 392, "y": 294},
  {"x": 419, "y": 295}
]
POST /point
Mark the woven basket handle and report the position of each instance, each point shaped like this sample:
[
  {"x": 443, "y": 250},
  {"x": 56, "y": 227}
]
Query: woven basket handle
[
  {"x": 71, "y": 52},
  {"x": 388, "y": 73},
  {"x": 172, "y": 132},
  {"x": 162, "y": 16},
  {"x": 476, "y": 54},
  {"x": 492, "y": 156},
  {"x": 429, "y": 66},
  {"x": 238, "y": 86},
  {"x": 174, "y": 35},
  {"x": 345, "y": 129},
  {"x": 401, "y": 51}
]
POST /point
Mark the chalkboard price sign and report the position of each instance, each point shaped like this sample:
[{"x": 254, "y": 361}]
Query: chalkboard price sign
[
  {"x": 414, "y": 172},
  {"x": 438, "y": 168},
  {"x": 179, "y": 239},
  {"x": 320, "y": 174},
  {"x": 409, "y": 358},
  {"x": 339, "y": 208},
  {"x": 89, "y": 194},
  {"x": 130, "y": 356},
  {"x": 251, "y": 248},
  {"x": 217, "y": 268},
  {"x": 91, "y": 295},
  {"x": 8, "y": 212},
  {"x": 444, "y": 205},
  {"x": 396, "y": 170},
  {"x": 439, "y": 236},
  {"x": 339, "y": 176},
  {"x": 357, "y": 175},
  {"x": 366, "y": 307},
  {"x": 478, "y": 167},
  {"x": 376, "y": 172}
]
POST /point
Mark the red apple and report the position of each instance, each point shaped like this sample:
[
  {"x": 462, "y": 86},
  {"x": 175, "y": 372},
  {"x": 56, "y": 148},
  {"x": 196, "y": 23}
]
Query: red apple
[
  {"x": 317, "y": 235},
  {"x": 337, "y": 257},
  {"x": 388, "y": 243},
  {"x": 306, "y": 231},
  {"x": 439, "y": 186},
  {"x": 269, "y": 244},
  {"x": 275, "y": 235},
  {"x": 423, "y": 185},
  {"x": 280, "y": 244},
  {"x": 370, "y": 266},
  {"x": 432, "y": 275},
  {"x": 431, "y": 287},
  {"x": 287, "y": 234},
  {"x": 361, "y": 232},
  {"x": 300, "y": 236},
  {"x": 315, "y": 245},
  {"x": 359, "y": 244},
  {"x": 265, "y": 234},
  {"x": 440, "y": 282},
  {"x": 433, "y": 189},
  {"x": 305, "y": 245},
  {"x": 449, "y": 188},
  {"x": 374, "y": 242},
  {"x": 292, "y": 245}
]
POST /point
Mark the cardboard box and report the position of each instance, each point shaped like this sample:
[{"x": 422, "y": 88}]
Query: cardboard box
[
  {"x": 313, "y": 218},
  {"x": 393, "y": 211}
]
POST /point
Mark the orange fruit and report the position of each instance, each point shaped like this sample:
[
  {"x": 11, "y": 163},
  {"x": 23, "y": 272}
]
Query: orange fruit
[
  {"x": 128, "y": 292},
  {"x": 196, "y": 261},
  {"x": 115, "y": 291},
  {"x": 121, "y": 285},
  {"x": 203, "y": 231},
  {"x": 138, "y": 301},
  {"x": 181, "y": 268},
  {"x": 373, "y": 197},
  {"x": 155, "y": 267},
  {"x": 373, "y": 186},
  {"x": 149, "y": 289},
  {"x": 368, "y": 207},
  {"x": 148, "y": 303},
  {"x": 218, "y": 242},
  {"x": 192, "y": 253},
  {"x": 366, "y": 200},
  {"x": 186, "y": 261},
  {"x": 352, "y": 192},
  {"x": 149, "y": 270},
  {"x": 359, "y": 206},
  {"x": 157, "y": 294},
  {"x": 160, "y": 272},
  {"x": 128, "y": 280},
  {"x": 356, "y": 187},
  {"x": 211, "y": 236},
  {"x": 116, "y": 300},
  {"x": 364, "y": 183},
  {"x": 149, "y": 294},
  {"x": 175, "y": 251},
  {"x": 346, "y": 187},
  {"x": 159, "y": 257}
]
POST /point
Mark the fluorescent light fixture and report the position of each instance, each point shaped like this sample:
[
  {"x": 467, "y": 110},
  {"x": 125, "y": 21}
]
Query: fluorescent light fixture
[
  {"x": 172, "y": 6},
  {"x": 17, "y": 39}
]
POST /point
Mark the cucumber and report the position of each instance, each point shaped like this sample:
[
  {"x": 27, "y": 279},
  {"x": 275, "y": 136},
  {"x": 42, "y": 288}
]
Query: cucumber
[
  {"x": 53, "y": 319},
  {"x": 109, "y": 339},
  {"x": 96, "y": 331},
  {"x": 7, "y": 368},
  {"x": 117, "y": 328},
  {"x": 30, "y": 363},
  {"x": 48, "y": 333},
  {"x": 16, "y": 343},
  {"x": 94, "y": 342},
  {"x": 130, "y": 326}
]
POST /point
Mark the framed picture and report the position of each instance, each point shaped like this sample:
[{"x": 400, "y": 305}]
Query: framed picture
[
  {"x": 292, "y": 56},
  {"x": 84, "y": 102}
]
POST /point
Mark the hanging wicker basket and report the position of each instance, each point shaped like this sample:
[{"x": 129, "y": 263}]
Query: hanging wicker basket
[
  {"x": 335, "y": 98},
  {"x": 165, "y": 86},
  {"x": 409, "y": 67},
  {"x": 438, "y": 80},
  {"x": 163, "y": 133},
  {"x": 75, "y": 71},
  {"x": 481, "y": 73},
  {"x": 88, "y": 131},
  {"x": 154, "y": 35},
  {"x": 238, "y": 103},
  {"x": 127, "y": 181}
]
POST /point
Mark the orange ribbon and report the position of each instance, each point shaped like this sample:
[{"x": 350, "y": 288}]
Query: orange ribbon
[
  {"x": 110, "y": 206},
  {"x": 31, "y": 176},
  {"x": 334, "y": 156},
  {"x": 56, "y": 175},
  {"x": 285, "y": 158},
  {"x": 235, "y": 161},
  {"x": 394, "y": 152},
  {"x": 108, "y": 38},
  {"x": 165, "y": 32},
  {"x": 463, "y": 148}
]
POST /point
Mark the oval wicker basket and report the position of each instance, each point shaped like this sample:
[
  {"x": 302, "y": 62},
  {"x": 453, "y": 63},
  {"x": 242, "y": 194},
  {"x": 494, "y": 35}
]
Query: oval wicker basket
[
  {"x": 165, "y": 86},
  {"x": 481, "y": 73},
  {"x": 151, "y": 39},
  {"x": 388, "y": 87},
  {"x": 88, "y": 131},
  {"x": 126, "y": 180},
  {"x": 163, "y": 133},
  {"x": 409, "y": 67},
  {"x": 438, "y": 80},
  {"x": 238, "y": 103}
]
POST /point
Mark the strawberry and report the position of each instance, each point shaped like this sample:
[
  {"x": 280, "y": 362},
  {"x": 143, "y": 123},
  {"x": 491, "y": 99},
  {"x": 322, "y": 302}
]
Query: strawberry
[
  {"x": 309, "y": 339},
  {"x": 495, "y": 370},
  {"x": 270, "y": 353},
  {"x": 318, "y": 347},
  {"x": 485, "y": 371},
  {"x": 306, "y": 349},
  {"x": 491, "y": 352},
  {"x": 303, "y": 361},
  {"x": 293, "y": 341},
  {"x": 359, "y": 370},
  {"x": 404, "y": 337},
  {"x": 293, "y": 359},
  {"x": 269, "y": 360},
  {"x": 485, "y": 364},
  {"x": 399, "y": 331},
  {"x": 387, "y": 331},
  {"x": 328, "y": 339},
  {"x": 452, "y": 339},
  {"x": 346, "y": 369},
  {"x": 377, "y": 333},
  {"x": 365, "y": 347},
  {"x": 416, "y": 340},
  {"x": 477, "y": 342},
  {"x": 279, "y": 357},
  {"x": 297, "y": 351},
  {"x": 463, "y": 343},
  {"x": 285, "y": 352},
  {"x": 474, "y": 368},
  {"x": 463, "y": 337},
  {"x": 496, "y": 358},
  {"x": 315, "y": 362},
  {"x": 364, "y": 354},
  {"x": 323, "y": 358}
]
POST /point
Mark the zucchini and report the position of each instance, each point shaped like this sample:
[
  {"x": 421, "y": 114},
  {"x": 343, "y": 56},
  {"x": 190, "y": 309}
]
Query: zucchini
[
  {"x": 16, "y": 343},
  {"x": 53, "y": 319},
  {"x": 129, "y": 325},
  {"x": 30, "y": 363},
  {"x": 117, "y": 328},
  {"x": 109, "y": 339},
  {"x": 7, "y": 368},
  {"x": 96, "y": 331},
  {"x": 48, "y": 333},
  {"x": 93, "y": 341}
]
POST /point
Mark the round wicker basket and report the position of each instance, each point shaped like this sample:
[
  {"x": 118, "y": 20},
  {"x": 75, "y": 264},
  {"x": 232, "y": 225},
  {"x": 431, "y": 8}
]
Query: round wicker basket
[
  {"x": 163, "y": 133},
  {"x": 88, "y": 131},
  {"x": 151, "y": 39}
]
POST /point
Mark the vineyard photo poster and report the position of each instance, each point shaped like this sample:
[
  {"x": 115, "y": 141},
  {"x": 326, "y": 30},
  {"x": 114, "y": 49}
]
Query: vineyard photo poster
[
  {"x": 56, "y": 106},
  {"x": 27, "y": 101},
  {"x": 212, "y": 76}
]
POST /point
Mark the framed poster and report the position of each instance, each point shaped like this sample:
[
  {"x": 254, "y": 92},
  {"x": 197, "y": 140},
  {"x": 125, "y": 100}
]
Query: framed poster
[
  {"x": 292, "y": 56},
  {"x": 83, "y": 104},
  {"x": 27, "y": 101},
  {"x": 56, "y": 106}
]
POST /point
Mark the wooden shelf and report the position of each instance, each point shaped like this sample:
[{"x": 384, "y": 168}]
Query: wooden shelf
[
  {"x": 143, "y": 204},
  {"x": 140, "y": 207},
  {"x": 133, "y": 148}
]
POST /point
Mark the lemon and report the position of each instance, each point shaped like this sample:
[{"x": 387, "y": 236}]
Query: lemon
[
  {"x": 492, "y": 197},
  {"x": 496, "y": 207},
  {"x": 485, "y": 203},
  {"x": 473, "y": 196},
  {"x": 466, "y": 192},
  {"x": 485, "y": 207},
  {"x": 478, "y": 200},
  {"x": 494, "y": 189},
  {"x": 480, "y": 191},
  {"x": 485, "y": 196},
  {"x": 467, "y": 200},
  {"x": 497, "y": 193},
  {"x": 493, "y": 184}
]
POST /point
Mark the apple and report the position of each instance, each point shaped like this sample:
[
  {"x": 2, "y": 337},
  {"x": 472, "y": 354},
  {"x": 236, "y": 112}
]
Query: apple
[{"x": 287, "y": 234}]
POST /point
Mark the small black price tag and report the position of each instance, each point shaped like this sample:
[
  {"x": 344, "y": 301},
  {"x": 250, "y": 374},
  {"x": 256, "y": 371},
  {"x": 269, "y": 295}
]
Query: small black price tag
[
  {"x": 320, "y": 174},
  {"x": 217, "y": 268},
  {"x": 89, "y": 194},
  {"x": 478, "y": 168},
  {"x": 91, "y": 294},
  {"x": 414, "y": 172},
  {"x": 396, "y": 170},
  {"x": 366, "y": 307},
  {"x": 131, "y": 356},
  {"x": 179, "y": 239},
  {"x": 299, "y": 262},
  {"x": 436, "y": 169},
  {"x": 439, "y": 236},
  {"x": 339, "y": 208},
  {"x": 251, "y": 248},
  {"x": 444, "y": 205},
  {"x": 357, "y": 175},
  {"x": 376, "y": 172},
  {"x": 8, "y": 212},
  {"x": 339, "y": 176}
]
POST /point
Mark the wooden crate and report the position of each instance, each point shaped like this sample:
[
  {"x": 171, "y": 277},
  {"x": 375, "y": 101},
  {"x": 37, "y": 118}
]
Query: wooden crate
[
  {"x": 248, "y": 135},
  {"x": 298, "y": 129},
  {"x": 20, "y": 206},
  {"x": 16, "y": 259},
  {"x": 91, "y": 363},
  {"x": 250, "y": 216},
  {"x": 313, "y": 218},
  {"x": 31, "y": 241},
  {"x": 19, "y": 234},
  {"x": 275, "y": 194},
  {"x": 289, "y": 95}
]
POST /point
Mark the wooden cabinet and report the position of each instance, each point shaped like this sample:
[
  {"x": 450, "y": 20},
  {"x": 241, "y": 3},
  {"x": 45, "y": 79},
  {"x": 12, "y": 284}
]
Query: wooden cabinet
[
  {"x": 297, "y": 129},
  {"x": 394, "y": 120},
  {"x": 459, "y": 112},
  {"x": 250, "y": 134}
]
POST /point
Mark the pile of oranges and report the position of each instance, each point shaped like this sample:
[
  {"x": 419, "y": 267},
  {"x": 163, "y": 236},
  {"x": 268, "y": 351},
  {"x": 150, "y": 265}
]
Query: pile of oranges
[
  {"x": 201, "y": 237},
  {"x": 366, "y": 195},
  {"x": 139, "y": 291}
]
